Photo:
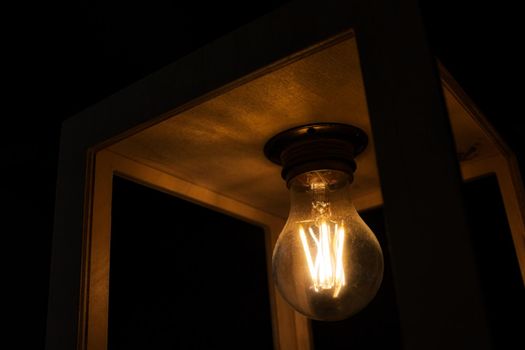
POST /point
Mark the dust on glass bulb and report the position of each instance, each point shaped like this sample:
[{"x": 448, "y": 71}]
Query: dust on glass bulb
[{"x": 327, "y": 263}]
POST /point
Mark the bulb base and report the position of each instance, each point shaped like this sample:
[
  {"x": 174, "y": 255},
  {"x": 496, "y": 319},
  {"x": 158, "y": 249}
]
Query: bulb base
[{"x": 316, "y": 146}]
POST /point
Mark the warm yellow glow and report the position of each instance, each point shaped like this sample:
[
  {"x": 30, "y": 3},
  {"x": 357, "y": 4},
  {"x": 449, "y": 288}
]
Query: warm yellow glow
[{"x": 326, "y": 268}]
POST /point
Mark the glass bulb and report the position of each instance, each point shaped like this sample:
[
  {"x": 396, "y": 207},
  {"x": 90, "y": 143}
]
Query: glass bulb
[{"x": 327, "y": 263}]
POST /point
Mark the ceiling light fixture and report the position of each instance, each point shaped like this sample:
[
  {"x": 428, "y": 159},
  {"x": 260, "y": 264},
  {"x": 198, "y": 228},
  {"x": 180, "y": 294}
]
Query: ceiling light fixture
[{"x": 327, "y": 263}]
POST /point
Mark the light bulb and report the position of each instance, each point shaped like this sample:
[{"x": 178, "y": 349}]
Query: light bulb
[{"x": 327, "y": 263}]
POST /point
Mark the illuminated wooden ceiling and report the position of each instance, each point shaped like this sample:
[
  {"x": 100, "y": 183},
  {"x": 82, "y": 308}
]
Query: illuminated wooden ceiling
[{"x": 218, "y": 143}]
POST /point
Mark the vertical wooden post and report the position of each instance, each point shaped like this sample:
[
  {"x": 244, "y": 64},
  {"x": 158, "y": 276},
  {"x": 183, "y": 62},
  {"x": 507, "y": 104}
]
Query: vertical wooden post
[{"x": 437, "y": 287}]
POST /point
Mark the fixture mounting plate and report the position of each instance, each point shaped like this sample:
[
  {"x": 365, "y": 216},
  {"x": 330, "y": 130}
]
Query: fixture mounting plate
[
  {"x": 344, "y": 132},
  {"x": 316, "y": 146}
]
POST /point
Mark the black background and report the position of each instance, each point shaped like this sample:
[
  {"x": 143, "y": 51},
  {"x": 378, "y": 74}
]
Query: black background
[
  {"x": 183, "y": 276},
  {"x": 61, "y": 57}
]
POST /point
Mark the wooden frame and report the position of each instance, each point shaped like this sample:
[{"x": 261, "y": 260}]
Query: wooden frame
[
  {"x": 289, "y": 328},
  {"x": 78, "y": 287},
  {"x": 503, "y": 165}
]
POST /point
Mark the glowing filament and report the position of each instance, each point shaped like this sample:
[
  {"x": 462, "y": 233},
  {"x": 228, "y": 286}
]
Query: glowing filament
[{"x": 326, "y": 268}]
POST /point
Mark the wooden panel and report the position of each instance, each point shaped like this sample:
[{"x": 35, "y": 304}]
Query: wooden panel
[
  {"x": 98, "y": 256},
  {"x": 218, "y": 143}
]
